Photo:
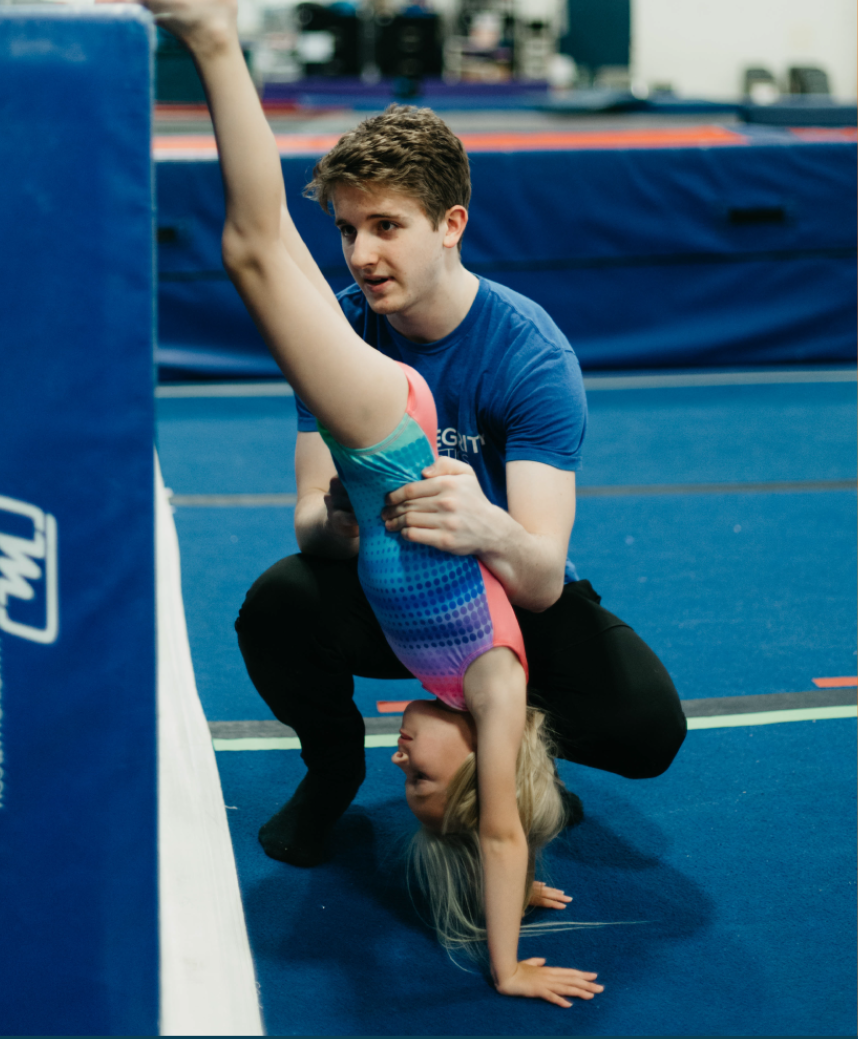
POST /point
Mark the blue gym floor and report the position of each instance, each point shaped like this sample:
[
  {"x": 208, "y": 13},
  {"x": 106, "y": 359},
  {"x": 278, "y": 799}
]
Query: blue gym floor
[{"x": 732, "y": 875}]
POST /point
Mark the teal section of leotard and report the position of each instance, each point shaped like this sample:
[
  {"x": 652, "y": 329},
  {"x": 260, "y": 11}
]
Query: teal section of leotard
[{"x": 431, "y": 605}]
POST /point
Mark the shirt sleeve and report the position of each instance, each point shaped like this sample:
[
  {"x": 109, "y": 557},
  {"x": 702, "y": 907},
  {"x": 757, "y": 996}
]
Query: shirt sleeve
[
  {"x": 306, "y": 419},
  {"x": 545, "y": 408}
]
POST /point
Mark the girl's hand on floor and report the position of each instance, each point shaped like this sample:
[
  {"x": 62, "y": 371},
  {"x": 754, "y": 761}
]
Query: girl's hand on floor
[
  {"x": 548, "y": 897},
  {"x": 553, "y": 984}
]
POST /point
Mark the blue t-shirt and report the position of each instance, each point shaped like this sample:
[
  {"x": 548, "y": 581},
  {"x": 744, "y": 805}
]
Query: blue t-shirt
[{"x": 507, "y": 385}]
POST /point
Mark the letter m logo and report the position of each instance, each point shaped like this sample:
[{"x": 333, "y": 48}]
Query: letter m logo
[{"x": 25, "y": 562}]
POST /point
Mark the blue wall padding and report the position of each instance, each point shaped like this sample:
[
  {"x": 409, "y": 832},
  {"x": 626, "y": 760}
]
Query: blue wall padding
[
  {"x": 78, "y": 868},
  {"x": 675, "y": 257}
]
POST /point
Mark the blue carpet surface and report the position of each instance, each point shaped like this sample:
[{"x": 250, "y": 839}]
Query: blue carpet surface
[
  {"x": 228, "y": 445},
  {"x": 733, "y": 873},
  {"x": 761, "y": 609},
  {"x": 737, "y": 866},
  {"x": 698, "y": 434},
  {"x": 720, "y": 434}
]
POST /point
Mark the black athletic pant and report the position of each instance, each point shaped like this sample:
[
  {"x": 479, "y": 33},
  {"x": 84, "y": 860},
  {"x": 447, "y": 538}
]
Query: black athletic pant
[{"x": 306, "y": 628}]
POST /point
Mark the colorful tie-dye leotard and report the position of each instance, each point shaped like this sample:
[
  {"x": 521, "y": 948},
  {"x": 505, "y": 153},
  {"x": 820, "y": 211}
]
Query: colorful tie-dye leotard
[{"x": 438, "y": 611}]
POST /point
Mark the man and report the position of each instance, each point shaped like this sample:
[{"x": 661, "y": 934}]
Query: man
[{"x": 511, "y": 420}]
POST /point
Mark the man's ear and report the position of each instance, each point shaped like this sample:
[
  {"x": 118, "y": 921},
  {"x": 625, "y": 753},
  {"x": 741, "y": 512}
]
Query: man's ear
[{"x": 456, "y": 219}]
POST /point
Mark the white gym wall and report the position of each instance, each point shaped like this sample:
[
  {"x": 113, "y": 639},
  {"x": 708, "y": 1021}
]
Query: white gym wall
[{"x": 701, "y": 47}]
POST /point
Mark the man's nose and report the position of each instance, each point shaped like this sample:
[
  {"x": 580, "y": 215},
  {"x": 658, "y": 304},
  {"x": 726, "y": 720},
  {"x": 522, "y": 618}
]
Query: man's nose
[
  {"x": 364, "y": 253},
  {"x": 399, "y": 758}
]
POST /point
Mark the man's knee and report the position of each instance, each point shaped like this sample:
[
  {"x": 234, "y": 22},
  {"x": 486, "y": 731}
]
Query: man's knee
[
  {"x": 657, "y": 755},
  {"x": 284, "y": 588}
]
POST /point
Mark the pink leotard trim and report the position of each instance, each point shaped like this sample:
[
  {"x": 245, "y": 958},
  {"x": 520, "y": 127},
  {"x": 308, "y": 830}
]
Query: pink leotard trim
[{"x": 421, "y": 405}]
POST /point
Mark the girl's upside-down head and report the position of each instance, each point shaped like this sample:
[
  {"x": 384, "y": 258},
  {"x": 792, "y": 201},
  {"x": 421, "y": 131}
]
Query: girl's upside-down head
[{"x": 436, "y": 752}]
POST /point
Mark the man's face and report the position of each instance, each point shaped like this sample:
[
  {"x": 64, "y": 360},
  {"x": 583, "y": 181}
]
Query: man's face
[{"x": 393, "y": 252}]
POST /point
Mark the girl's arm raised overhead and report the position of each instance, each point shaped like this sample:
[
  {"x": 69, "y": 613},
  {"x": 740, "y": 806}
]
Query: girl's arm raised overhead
[
  {"x": 356, "y": 392},
  {"x": 496, "y": 695}
]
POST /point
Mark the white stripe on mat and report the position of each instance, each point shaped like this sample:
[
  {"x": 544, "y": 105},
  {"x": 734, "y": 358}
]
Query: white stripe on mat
[
  {"x": 723, "y": 721},
  {"x": 208, "y": 986}
]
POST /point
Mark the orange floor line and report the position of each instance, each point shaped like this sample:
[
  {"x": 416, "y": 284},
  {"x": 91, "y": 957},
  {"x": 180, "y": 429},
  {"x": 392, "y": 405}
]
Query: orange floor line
[
  {"x": 203, "y": 145},
  {"x": 391, "y": 706},
  {"x": 655, "y": 137},
  {"x": 836, "y": 683}
]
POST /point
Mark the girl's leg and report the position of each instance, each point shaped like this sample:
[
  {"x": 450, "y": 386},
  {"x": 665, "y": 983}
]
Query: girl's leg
[
  {"x": 497, "y": 670},
  {"x": 354, "y": 391}
]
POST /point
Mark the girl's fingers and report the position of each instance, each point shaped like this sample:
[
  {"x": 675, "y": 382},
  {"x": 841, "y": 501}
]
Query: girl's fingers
[{"x": 559, "y": 1001}]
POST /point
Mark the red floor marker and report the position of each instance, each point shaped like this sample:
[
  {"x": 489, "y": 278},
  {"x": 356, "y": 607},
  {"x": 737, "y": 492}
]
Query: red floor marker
[
  {"x": 835, "y": 683},
  {"x": 391, "y": 706}
]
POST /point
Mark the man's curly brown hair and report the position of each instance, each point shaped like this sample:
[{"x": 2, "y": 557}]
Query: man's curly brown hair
[{"x": 405, "y": 148}]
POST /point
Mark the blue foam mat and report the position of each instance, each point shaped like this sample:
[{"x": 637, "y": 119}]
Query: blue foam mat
[
  {"x": 648, "y": 257},
  {"x": 78, "y": 669},
  {"x": 740, "y": 871}
]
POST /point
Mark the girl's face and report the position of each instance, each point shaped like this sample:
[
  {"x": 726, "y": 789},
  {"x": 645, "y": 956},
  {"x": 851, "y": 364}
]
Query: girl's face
[{"x": 433, "y": 743}]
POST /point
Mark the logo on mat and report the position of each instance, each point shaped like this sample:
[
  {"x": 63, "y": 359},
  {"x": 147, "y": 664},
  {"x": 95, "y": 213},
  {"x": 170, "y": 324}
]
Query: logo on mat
[{"x": 28, "y": 571}]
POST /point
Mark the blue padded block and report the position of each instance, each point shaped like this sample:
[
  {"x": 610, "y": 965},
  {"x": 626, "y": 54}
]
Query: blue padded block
[
  {"x": 78, "y": 916},
  {"x": 645, "y": 257}
]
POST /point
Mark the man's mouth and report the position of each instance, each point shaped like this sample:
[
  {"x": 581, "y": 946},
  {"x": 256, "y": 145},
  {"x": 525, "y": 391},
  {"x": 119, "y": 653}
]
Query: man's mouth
[{"x": 374, "y": 284}]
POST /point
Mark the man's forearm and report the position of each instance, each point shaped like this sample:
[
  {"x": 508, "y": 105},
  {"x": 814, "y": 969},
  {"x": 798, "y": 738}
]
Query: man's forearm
[
  {"x": 313, "y": 530},
  {"x": 527, "y": 565}
]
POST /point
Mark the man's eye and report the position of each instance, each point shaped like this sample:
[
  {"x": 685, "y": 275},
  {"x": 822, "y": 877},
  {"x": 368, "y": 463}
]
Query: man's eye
[
  {"x": 386, "y": 225},
  {"x": 347, "y": 232}
]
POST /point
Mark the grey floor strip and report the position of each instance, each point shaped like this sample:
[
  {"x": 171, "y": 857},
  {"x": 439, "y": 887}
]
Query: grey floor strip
[
  {"x": 709, "y": 707},
  {"x": 763, "y": 487},
  {"x": 714, "y": 706},
  {"x": 233, "y": 501},
  {"x": 662, "y": 382},
  {"x": 256, "y": 501},
  {"x": 272, "y": 388},
  {"x": 278, "y": 388}
]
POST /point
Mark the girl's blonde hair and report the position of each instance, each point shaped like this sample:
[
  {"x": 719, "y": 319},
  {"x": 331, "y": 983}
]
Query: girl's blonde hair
[{"x": 446, "y": 864}]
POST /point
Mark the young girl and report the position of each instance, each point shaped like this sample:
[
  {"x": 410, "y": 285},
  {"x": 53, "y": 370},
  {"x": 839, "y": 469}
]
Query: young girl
[{"x": 446, "y": 616}]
